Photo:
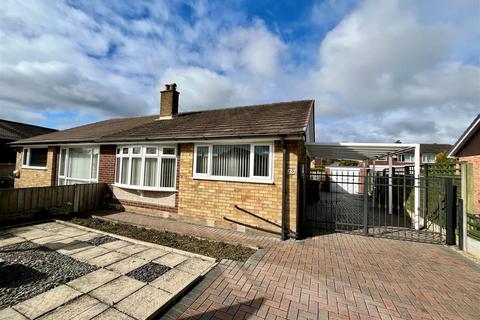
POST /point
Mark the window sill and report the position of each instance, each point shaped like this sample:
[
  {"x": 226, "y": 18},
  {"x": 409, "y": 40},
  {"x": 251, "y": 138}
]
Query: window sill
[
  {"x": 233, "y": 179},
  {"x": 34, "y": 168},
  {"x": 123, "y": 186}
]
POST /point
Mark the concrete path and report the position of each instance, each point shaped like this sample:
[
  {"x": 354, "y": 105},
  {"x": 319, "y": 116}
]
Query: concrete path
[
  {"x": 134, "y": 279},
  {"x": 335, "y": 276}
]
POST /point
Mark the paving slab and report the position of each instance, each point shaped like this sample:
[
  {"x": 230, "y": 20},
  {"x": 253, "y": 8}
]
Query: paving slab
[
  {"x": 150, "y": 254},
  {"x": 93, "y": 280},
  {"x": 47, "y": 301},
  {"x": 12, "y": 240},
  {"x": 195, "y": 266},
  {"x": 112, "y": 314},
  {"x": 87, "y": 236},
  {"x": 171, "y": 259},
  {"x": 11, "y": 314},
  {"x": 126, "y": 265},
  {"x": 107, "y": 259},
  {"x": 74, "y": 247},
  {"x": 116, "y": 290},
  {"x": 151, "y": 300},
  {"x": 82, "y": 308},
  {"x": 132, "y": 249},
  {"x": 33, "y": 233},
  {"x": 50, "y": 226},
  {"x": 174, "y": 281},
  {"x": 71, "y": 231},
  {"x": 49, "y": 240},
  {"x": 86, "y": 255},
  {"x": 115, "y": 244}
]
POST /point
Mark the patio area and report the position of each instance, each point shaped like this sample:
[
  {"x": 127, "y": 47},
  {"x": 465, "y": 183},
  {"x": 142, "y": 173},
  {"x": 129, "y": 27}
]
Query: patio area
[{"x": 63, "y": 271}]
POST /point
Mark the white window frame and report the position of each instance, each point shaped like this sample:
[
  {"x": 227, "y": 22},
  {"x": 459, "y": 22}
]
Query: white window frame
[
  {"x": 27, "y": 165},
  {"x": 143, "y": 155},
  {"x": 250, "y": 178},
  {"x": 64, "y": 177}
]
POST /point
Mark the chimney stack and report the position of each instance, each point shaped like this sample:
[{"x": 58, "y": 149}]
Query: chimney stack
[{"x": 169, "y": 101}]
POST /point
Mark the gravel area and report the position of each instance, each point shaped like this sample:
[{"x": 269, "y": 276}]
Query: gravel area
[
  {"x": 30, "y": 269},
  {"x": 148, "y": 272},
  {"x": 101, "y": 240},
  {"x": 5, "y": 235}
]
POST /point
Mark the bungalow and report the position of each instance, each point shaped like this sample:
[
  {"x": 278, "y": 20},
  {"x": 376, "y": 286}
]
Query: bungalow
[{"x": 234, "y": 168}]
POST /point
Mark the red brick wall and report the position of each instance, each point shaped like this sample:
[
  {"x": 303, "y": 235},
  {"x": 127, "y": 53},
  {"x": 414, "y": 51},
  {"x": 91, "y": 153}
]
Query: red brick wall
[{"x": 106, "y": 170}]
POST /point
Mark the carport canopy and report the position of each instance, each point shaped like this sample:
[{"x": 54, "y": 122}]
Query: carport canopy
[{"x": 357, "y": 151}]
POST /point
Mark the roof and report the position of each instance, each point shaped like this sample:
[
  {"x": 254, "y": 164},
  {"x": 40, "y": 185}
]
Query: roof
[
  {"x": 283, "y": 118},
  {"x": 11, "y": 130},
  {"x": 466, "y": 135},
  {"x": 356, "y": 151},
  {"x": 434, "y": 147}
]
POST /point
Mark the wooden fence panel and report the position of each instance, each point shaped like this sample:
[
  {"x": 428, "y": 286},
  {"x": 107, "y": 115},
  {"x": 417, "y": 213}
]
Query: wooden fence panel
[{"x": 26, "y": 202}]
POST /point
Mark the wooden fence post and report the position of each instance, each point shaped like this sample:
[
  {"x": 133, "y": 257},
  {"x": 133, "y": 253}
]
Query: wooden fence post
[{"x": 76, "y": 198}]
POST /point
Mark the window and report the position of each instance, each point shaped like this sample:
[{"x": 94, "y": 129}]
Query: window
[
  {"x": 406, "y": 157},
  {"x": 78, "y": 165},
  {"x": 234, "y": 162},
  {"x": 428, "y": 158},
  {"x": 146, "y": 167},
  {"x": 35, "y": 158}
]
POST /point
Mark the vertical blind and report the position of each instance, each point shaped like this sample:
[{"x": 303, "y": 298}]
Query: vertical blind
[
  {"x": 260, "y": 163},
  {"x": 231, "y": 160},
  {"x": 202, "y": 160}
]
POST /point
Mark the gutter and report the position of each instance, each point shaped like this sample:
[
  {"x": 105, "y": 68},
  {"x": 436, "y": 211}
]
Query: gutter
[{"x": 293, "y": 136}]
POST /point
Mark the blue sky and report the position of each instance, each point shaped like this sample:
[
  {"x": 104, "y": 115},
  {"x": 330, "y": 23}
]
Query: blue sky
[{"x": 378, "y": 70}]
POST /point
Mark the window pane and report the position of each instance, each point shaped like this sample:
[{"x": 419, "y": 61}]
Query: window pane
[
  {"x": 124, "y": 174},
  {"x": 93, "y": 174},
  {"x": 202, "y": 160},
  {"x": 136, "y": 171},
  {"x": 231, "y": 160},
  {"x": 61, "y": 182},
  {"x": 151, "y": 150},
  {"x": 136, "y": 150},
  {"x": 38, "y": 157},
  {"x": 79, "y": 163},
  {"x": 167, "y": 174},
  {"x": 118, "y": 150},
  {"x": 125, "y": 150},
  {"x": 150, "y": 178},
  {"x": 63, "y": 155},
  {"x": 117, "y": 171},
  {"x": 168, "y": 150},
  {"x": 25, "y": 156},
  {"x": 260, "y": 165}
]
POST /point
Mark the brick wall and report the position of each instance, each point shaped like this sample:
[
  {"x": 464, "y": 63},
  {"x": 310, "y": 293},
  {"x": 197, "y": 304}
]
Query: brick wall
[
  {"x": 208, "y": 202},
  {"x": 106, "y": 169},
  {"x": 37, "y": 177},
  {"x": 475, "y": 161}
]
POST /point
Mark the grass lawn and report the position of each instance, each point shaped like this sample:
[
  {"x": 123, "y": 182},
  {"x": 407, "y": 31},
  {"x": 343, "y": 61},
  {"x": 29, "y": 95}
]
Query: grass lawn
[{"x": 215, "y": 249}]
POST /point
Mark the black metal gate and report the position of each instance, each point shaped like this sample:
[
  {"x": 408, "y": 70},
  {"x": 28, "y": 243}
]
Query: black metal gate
[{"x": 379, "y": 204}]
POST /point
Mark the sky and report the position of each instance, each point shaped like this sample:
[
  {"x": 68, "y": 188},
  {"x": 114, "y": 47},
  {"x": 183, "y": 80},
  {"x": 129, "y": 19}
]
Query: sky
[{"x": 379, "y": 71}]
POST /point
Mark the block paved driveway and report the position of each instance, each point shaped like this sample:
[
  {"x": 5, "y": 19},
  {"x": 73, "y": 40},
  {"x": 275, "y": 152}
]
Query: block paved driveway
[{"x": 334, "y": 276}]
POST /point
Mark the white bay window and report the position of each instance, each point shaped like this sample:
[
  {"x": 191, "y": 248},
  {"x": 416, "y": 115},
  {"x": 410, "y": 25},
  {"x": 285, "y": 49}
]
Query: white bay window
[
  {"x": 146, "y": 167},
  {"x": 78, "y": 165},
  {"x": 234, "y": 162}
]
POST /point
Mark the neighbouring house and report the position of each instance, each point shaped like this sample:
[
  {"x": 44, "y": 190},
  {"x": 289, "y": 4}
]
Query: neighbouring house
[
  {"x": 11, "y": 131},
  {"x": 234, "y": 168},
  {"x": 467, "y": 148}
]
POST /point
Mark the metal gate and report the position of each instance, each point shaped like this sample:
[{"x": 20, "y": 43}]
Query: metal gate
[{"x": 384, "y": 205}]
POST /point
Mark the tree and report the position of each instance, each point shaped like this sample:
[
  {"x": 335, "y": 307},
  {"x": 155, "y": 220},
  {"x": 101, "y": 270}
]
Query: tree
[{"x": 442, "y": 157}]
